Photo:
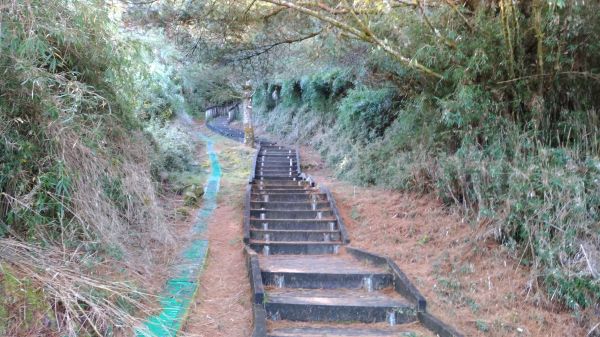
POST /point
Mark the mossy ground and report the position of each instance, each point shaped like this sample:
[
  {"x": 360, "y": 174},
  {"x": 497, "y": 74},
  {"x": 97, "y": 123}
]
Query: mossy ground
[{"x": 23, "y": 307}]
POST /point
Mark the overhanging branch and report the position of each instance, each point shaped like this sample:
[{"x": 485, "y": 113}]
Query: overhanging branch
[
  {"x": 361, "y": 33},
  {"x": 255, "y": 52}
]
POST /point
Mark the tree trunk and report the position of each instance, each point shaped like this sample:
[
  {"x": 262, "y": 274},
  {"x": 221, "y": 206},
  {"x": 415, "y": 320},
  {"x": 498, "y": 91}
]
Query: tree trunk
[{"x": 247, "y": 106}]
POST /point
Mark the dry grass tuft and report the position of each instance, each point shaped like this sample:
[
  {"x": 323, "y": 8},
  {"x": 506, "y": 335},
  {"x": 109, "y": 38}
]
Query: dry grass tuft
[{"x": 81, "y": 299}]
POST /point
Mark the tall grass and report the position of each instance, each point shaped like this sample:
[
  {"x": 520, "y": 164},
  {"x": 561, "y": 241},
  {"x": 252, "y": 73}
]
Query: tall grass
[
  {"x": 81, "y": 106},
  {"x": 519, "y": 157}
]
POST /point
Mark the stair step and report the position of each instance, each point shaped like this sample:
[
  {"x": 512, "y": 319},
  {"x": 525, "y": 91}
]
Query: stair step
[
  {"x": 302, "y": 329},
  {"x": 297, "y": 197},
  {"x": 273, "y": 177},
  {"x": 275, "y": 168},
  {"x": 329, "y": 305},
  {"x": 293, "y": 206},
  {"x": 293, "y": 225},
  {"x": 295, "y": 235},
  {"x": 267, "y": 172},
  {"x": 311, "y": 191},
  {"x": 322, "y": 272},
  {"x": 281, "y": 187},
  {"x": 277, "y": 175},
  {"x": 298, "y": 222},
  {"x": 296, "y": 247},
  {"x": 278, "y": 165},
  {"x": 265, "y": 182},
  {"x": 289, "y": 214},
  {"x": 276, "y": 161},
  {"x": 277, "y": 155}
]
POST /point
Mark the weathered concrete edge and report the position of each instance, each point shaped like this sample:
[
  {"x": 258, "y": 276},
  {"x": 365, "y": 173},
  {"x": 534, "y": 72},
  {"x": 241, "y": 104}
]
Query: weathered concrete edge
[
  {"x": 252, "y": 262},
  {"x": 248, "y": 196},
  {"x": 437, "y": 326},
  {"x": 253, "y": 168},
  {"x": 258, "y": 293},
  {"x": 364, "y": 255},
  {"x": 260, "y": 321},
  {"x": 258, "y": 290},
  {"x": 298, "y": 166},
  {"x": 336, "y": 212},
  {"x": 246, "y": 217},
  {"x": 332, "y": 203},
  {"x": 402, "y": 284}
]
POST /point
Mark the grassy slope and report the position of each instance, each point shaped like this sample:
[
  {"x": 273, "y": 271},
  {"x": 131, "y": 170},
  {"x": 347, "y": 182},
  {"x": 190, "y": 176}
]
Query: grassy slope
[{"x": 86, "y": 134}]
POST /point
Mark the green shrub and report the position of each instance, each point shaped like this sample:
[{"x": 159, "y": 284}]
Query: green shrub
[
  {"x": 261, "y": 97},
  {"x": 291, "y": 93},
  {"x": 174, "y": 148},
  {"x": 316, "y": 91},
  {"x": 74, "y": 168},
  {"x": 539, "y": 200},
  {"x": 365, "y": 113},
  {"x": 205, "y": 85}
]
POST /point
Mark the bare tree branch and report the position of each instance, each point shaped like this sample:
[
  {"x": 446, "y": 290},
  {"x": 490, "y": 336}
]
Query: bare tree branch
[
  {"x": 363, "y": 34},
  {"x": 255, "y": 52}
]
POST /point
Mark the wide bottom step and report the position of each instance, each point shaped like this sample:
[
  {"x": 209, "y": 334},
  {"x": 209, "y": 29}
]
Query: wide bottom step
[
  {"x": 344, "y": 329},
  {"x": 338, "y": 305}
]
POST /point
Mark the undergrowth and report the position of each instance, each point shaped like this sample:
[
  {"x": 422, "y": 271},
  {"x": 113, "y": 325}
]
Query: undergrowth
[
  {"x": 520, "y": 158},
  {"x": 85, "y": 119}
]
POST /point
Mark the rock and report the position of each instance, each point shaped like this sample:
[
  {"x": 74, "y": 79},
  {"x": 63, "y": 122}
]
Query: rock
[{"x": 192, "y": 195}]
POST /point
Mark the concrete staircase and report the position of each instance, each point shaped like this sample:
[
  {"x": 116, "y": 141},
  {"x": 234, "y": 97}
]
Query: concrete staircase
[{"x": 306, "y": 281}]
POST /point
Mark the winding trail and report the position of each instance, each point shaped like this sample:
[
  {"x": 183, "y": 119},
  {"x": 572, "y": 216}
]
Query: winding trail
[{"x": 181, "y": 287}]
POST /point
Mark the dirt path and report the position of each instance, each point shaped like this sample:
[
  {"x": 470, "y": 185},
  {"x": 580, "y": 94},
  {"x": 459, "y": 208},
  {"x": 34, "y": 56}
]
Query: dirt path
[
  {"x": 471, "y": 283},
  {"x": 223, "y": 303}
]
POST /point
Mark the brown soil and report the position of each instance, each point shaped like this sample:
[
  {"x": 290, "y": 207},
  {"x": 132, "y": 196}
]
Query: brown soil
[
  {"x": 470, "y": 283},
  {"x": 223, "y": 304}
]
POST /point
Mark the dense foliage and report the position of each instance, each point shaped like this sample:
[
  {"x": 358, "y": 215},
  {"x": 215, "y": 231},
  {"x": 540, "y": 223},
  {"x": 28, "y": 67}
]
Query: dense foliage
[
  {"x": 492, "y": 105},
  {"x": 509, "y": 133},
  {"x": 85, "y": 125}
]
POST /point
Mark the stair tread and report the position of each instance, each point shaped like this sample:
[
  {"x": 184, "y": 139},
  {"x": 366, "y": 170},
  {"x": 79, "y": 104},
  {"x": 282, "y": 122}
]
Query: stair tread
[
  {"x": 337, "y": 297},
  {"x": 288, "y": 191},
  {"x": 338, "y": 332},
  {"x": 284, "y": 187},
  {"x": 325, "y": 243},
  {"x": 289, "y": 210},
  {"x": 264, "y": 191},
  {"x": 280, "y": 190},
  {"x": 294, "y": 230},
  {"x": 318, "y": 264},
  {"x": 324, "y": 219},
  {"x": 291, "y": 202}
]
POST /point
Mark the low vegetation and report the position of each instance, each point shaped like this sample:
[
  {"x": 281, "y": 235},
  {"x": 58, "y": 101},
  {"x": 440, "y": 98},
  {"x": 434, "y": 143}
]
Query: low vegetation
[
  {"x": 491, "y": 105},
  {"x": 515, "y": 147},
  {"x": 86, "y": 118}
]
